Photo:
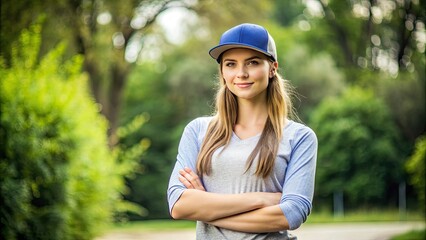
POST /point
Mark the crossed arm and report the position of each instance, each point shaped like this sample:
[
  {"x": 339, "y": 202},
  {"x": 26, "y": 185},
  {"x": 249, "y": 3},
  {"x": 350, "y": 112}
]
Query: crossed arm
[{"x": 246, "y": 212}]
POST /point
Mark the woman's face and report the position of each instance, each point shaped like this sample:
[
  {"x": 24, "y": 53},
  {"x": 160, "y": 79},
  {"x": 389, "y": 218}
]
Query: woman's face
[{"x": 246, "y": 73}]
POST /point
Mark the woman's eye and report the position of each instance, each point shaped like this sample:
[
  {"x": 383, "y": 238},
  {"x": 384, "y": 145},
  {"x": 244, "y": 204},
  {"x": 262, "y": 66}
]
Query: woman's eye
[
  {"x": 253, "y": 62},
  {"x": 229, "y": 64}
]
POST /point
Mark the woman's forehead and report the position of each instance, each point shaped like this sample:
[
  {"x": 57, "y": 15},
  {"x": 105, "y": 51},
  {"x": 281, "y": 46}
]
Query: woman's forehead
[{"x": 242, "y": 53}]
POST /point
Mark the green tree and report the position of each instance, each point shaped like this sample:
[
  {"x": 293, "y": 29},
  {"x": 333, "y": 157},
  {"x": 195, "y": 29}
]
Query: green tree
[
  {"x": 58, "y": 179},
  {"x": 358, "y": 153},
  {"x": 99, "y": 30},
  {"x": 380, "y": 35},
  {"x": 106, "y": 32},
  {"x": 373, "y": 43}
]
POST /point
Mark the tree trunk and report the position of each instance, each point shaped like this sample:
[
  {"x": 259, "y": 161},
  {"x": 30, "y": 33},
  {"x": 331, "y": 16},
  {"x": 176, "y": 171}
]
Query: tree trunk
[
  {"x": 341, "y": 35},
  {"x": 119, "y": 74}
]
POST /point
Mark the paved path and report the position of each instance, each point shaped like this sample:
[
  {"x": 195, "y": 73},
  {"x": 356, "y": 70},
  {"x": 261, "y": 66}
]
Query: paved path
[{"x": 329, "y": 231}]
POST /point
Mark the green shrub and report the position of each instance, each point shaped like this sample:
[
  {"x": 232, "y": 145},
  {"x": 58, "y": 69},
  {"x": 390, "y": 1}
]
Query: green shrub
[
  {"x": 359, "y": 152},
  {"x": 57, "y": 174},
  {"x": 415, "y": 166}
]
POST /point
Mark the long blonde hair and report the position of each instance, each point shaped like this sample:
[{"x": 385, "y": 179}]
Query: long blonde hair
[{"x": 220, "y": 130}]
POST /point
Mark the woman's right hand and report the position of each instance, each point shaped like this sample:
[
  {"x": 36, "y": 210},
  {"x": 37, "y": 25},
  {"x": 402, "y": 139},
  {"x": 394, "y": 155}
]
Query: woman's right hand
[{"x": 190, "y": 179}]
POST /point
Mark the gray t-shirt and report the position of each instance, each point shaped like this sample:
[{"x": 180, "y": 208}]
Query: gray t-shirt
[{"x": 293, "y": 174}]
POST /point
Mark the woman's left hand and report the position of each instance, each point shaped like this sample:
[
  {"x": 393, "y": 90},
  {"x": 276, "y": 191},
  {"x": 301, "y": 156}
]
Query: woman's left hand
[{"x": 190, "y": 179}]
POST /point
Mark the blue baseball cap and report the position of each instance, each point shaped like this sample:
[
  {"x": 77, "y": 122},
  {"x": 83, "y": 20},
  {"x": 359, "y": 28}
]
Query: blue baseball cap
[{"x": 246, "y": 35}]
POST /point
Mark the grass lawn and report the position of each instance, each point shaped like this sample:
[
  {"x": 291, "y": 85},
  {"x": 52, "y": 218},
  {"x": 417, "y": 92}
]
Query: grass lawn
[
  {"x": 315, "y": 217},
  {"x": 364, "y": 216},
  {"x": 413, "y": 235}
]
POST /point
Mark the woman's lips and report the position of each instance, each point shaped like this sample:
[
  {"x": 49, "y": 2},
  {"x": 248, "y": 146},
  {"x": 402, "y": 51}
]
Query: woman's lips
[{"x": 243, "y": 85}]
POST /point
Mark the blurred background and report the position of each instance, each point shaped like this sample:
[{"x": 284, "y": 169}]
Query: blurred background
[{"x": 95, "y": 95}]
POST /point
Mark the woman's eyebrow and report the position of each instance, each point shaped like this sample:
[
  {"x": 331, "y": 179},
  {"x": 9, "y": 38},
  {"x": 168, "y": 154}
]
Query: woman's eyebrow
[
  {"x": 247, "y": 59},
  {"x": 228, "y": 59},
  {"x": 251, "y": 58}
]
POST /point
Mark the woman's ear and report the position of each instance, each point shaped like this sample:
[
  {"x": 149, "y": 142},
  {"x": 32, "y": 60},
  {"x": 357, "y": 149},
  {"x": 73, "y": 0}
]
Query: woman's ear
[{"x": 273, "y": 70}]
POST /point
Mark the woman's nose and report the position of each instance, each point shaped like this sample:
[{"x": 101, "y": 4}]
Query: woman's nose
[{"x": 242, "y": 72}]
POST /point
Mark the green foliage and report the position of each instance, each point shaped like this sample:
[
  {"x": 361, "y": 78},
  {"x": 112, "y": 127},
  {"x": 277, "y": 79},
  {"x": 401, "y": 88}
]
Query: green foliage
[
  {"x": 286, "y": 12},
  {"x": 415, "y": 166},
  {"x": 358, "y": 149},
  {"x": 58, "y": 177}
]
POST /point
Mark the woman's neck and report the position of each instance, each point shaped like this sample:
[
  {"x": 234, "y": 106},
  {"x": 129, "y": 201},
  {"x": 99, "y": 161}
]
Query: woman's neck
[
  {"x": 252, "y": 113},
  {"x": 251, "y": 118}
]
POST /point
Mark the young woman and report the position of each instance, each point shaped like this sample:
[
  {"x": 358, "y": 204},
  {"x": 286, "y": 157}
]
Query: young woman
[{"x": 248, "y": 171}]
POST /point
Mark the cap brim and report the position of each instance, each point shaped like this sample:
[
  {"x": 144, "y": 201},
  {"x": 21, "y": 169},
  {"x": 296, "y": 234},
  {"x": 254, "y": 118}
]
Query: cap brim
[{"x": 217, "y": 51}]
